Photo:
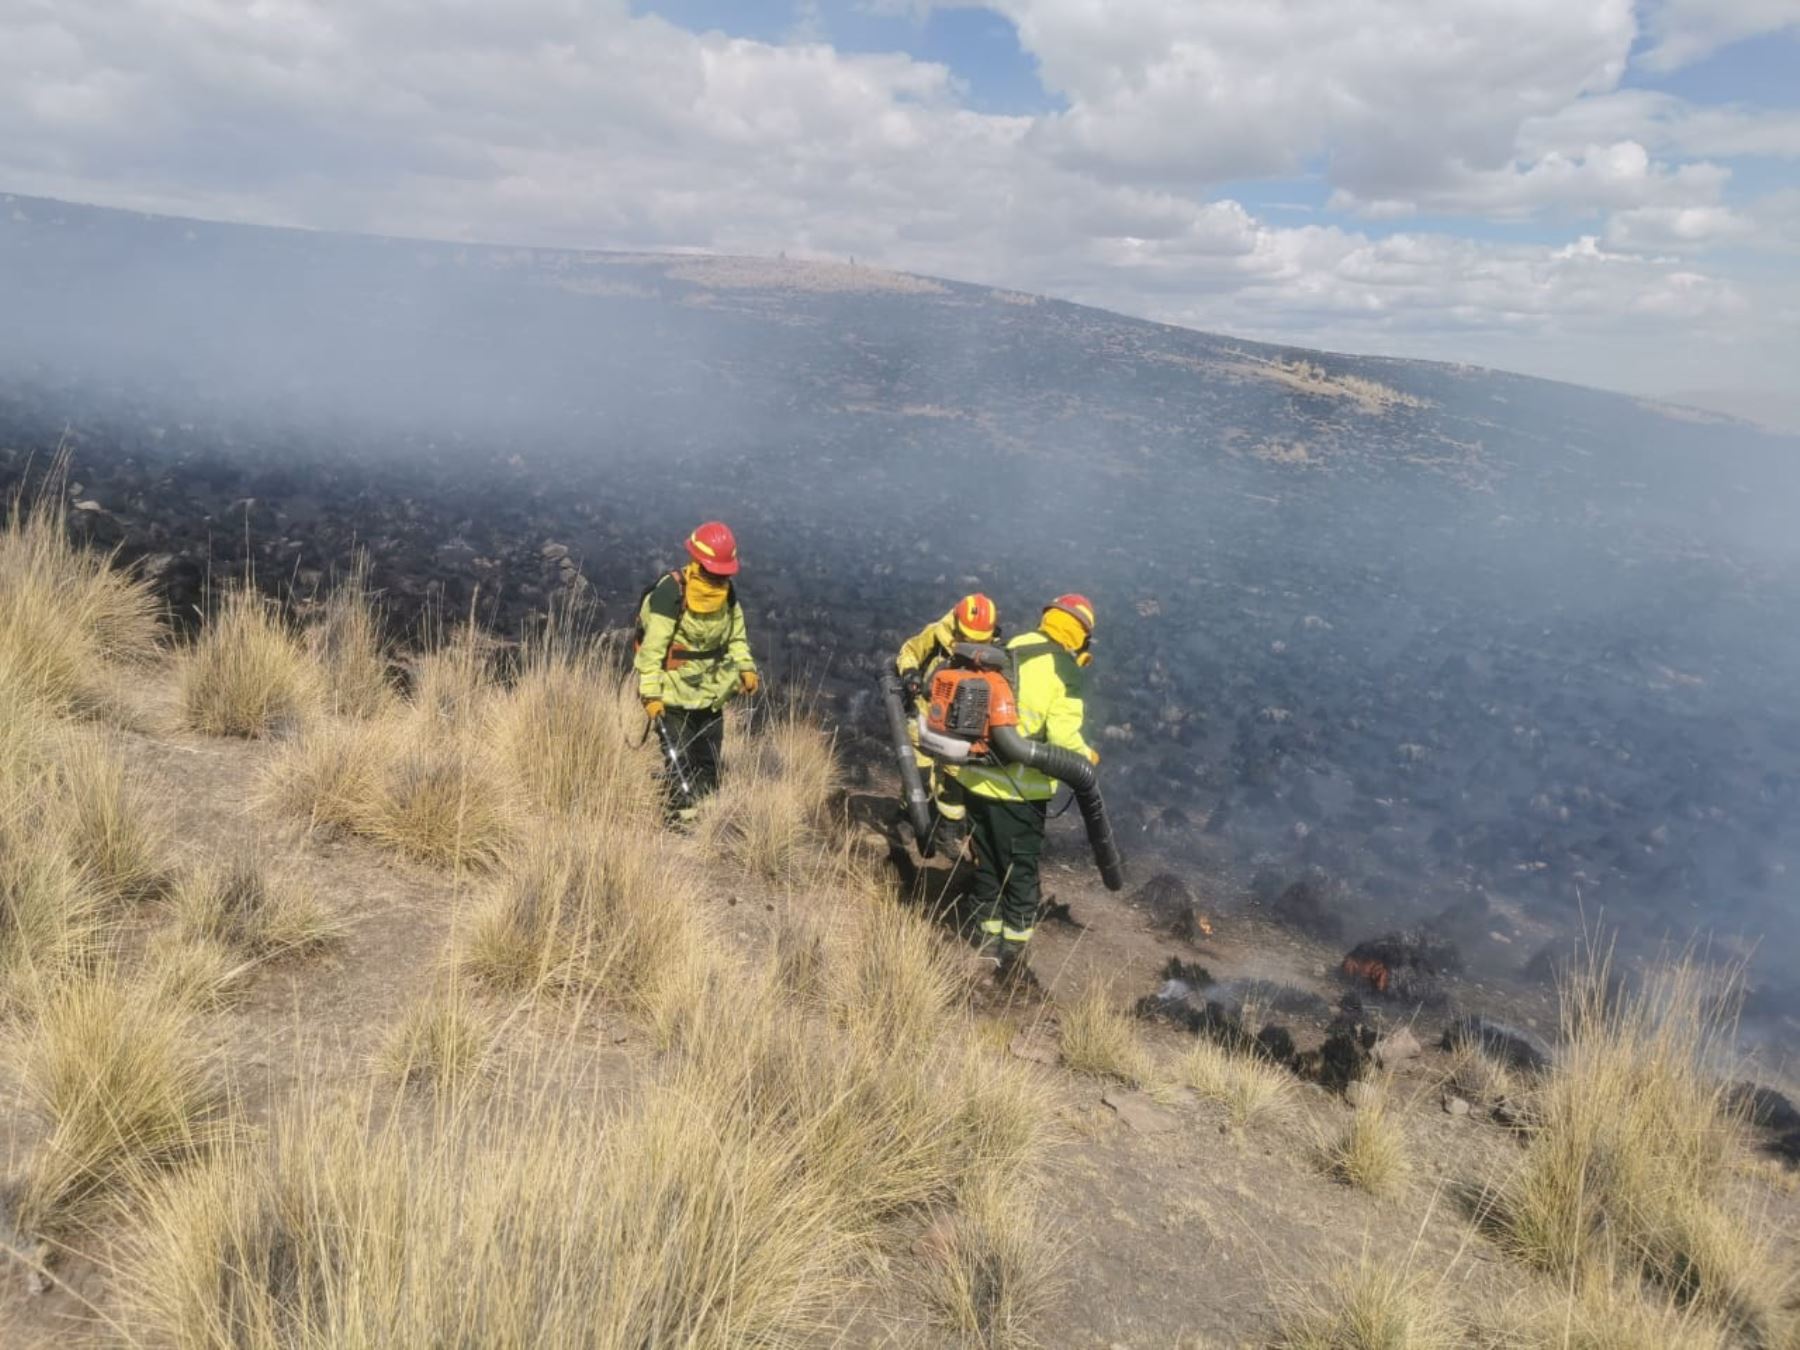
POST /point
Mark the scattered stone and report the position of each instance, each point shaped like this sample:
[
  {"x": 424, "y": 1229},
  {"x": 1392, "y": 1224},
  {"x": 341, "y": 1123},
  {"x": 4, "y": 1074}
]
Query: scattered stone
[
  {"x": 1455, "y": 1106},
  {"x": 554, "y": 552},
  {"x": 1397, "y": 1047},
  {"x": 1034, "y": 1049},
  {"x": 1139, "y": 1112}
]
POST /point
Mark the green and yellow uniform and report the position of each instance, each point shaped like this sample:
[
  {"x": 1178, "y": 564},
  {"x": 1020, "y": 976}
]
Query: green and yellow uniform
[
  {"x": 694, "y": 655},
  {"x": 1008, "y": 803}
]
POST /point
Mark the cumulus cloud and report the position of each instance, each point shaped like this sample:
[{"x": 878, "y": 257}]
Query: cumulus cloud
[{"x": 553, "y": 122}]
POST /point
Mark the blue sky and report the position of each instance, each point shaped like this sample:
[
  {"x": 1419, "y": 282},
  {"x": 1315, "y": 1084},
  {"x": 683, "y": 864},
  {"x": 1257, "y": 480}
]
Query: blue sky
[{"x": 1602, "y": 190}]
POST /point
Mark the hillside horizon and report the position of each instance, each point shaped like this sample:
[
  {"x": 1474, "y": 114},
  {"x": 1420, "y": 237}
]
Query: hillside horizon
[{"x": 1709, "y": 408}]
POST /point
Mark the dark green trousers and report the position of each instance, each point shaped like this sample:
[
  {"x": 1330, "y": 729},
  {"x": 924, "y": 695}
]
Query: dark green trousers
[
  {"x": 700, "y": 736},
  {"x": 1009, "y": 841}
]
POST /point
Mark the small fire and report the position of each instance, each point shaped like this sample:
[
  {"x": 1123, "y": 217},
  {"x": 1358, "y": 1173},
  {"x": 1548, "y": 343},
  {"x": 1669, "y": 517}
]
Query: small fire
[
  {"x": 1203, "y": 925},
  {"x": 1368, "y": 968}
]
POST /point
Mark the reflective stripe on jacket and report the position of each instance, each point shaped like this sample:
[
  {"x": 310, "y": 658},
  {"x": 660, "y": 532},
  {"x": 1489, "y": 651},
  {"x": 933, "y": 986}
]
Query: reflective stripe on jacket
[
  {"x": 1047, "y": 683},
  {"x": 719, "y": 641}
]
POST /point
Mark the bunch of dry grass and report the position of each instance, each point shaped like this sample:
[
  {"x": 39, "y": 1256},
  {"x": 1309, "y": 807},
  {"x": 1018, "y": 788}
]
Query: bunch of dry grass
[
  {"x": 778, "y": 783},
  {"x": 895, "y": 983},
  {"x": 443, "y": 800},
  {"x": 247, "y": 674},
  {"x": 114, "y": 1073},
  {"x": 565, "y": 730},
  {"x": 1249, "y": 1087},
  {"x": 443, "y": 1041},
  {"x": 1100, "y": 1038},
  {"x": 199, "y": 973},
  {"x": 1629, "y": 1159},
  {"x": 990, "y": 1266},
  {"x": 68, "y": 619},
  {"x": 1370, "y": 1152},
  {"x": 1371, "y": 1306},
  {"x": 428, "y": 789},
  {"x": 52, "y": 921},
  {"x": 115, "y": 832},
  {"x": 251, "y": 907},
  {"x": 1606, "y": 1312},
  {"x": 675, "y": 1225},
  {"x": 350, "y": 646},
  {"x": 587, "y": 906}
]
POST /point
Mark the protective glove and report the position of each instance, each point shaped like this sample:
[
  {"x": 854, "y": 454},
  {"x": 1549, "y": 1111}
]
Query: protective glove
[
  {"x": 748, "y": 681},
  {"x": 1094, "y": 757},
  {"x": 653, "y": 708},
  {"x": 913, "y": 686}
]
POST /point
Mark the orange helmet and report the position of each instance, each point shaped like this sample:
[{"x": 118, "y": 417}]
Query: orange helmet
[
  {"x": 975, "y": 618},
  {"x": 715, "y": 548},
  {"x": 1077, "y": 607}
]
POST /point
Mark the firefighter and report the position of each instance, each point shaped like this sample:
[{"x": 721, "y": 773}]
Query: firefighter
[
  {"x": 693, "y": 655},
  {"x": 974, "y": 619},
  {"x": 1008, "y": 803}
]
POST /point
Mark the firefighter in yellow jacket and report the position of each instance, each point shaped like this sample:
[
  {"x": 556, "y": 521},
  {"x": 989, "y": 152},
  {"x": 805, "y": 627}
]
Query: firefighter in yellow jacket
[
  {"x": 694, "y": 654},
  {"x": 974, "y": 619},
  {"x": 1008, "y": 803}
]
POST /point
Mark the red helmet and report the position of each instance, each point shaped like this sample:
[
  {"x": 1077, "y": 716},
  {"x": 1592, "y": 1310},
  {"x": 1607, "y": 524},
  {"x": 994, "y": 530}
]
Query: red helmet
[
  {"x": 1077, "y": 607},
  {"x": 714, "y": 548},
  {"x": 975, "y": 617}
]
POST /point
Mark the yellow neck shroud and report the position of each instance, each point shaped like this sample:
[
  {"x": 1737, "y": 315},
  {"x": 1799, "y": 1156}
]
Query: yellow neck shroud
[
  {"x": 704, "y": 594},
  {"x": 1064, "y": 629}
]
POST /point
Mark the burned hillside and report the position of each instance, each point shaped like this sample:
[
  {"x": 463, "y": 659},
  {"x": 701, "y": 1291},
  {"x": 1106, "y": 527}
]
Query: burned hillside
[{"x": 1385, "y": 643}]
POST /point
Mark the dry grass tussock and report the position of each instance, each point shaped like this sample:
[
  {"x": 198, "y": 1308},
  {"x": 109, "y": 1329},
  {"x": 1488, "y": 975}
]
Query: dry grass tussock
[
  {"x": 568, "y": 729},
  {"x": 116, "y": 833},
  {"x": 444, "y": 1041},
  {"x": 251, "y": 907},
  {"x": 1371, "y": 1306},
  {"x": 1370, "y": 1152},
  {"x": 1100, "y": 1038},
  {"x": 779, "y": 780},
  {"x": 1609, "y": 1312},
  {"x": 1630, "y": 1161},
  {"x": 52, "y": 917},
  {"x": 990, "y": 1265},
  {"x": 1248, "y": 1087},
  {"x": 591, "y": 906},
  {"x": 895, "y": 980},
  {"x": 425, "y": 780},
  {"x": 889, "y": 1125},
  {"x": 247, "y": 673},
  {"x": 674, "y": 1224},
  {"x": 69, "y": 621},
  {"x": 112, "y": 1071},
  {"x": 350, "y": 646}
]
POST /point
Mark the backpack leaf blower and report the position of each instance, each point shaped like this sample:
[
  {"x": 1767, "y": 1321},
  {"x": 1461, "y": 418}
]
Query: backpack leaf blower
[{"x": 972, "y": 715}]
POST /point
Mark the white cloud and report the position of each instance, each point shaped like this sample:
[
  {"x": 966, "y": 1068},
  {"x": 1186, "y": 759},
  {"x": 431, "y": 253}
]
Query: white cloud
[{"x": 1684, "y": 31}]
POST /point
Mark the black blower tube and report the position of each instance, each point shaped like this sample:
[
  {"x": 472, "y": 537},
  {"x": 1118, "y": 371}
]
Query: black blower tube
[
  {"x": 912, "y": 785},
  {"x": 1068, "y": 767}
]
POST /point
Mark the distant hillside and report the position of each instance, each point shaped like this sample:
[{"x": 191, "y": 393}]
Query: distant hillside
[{"x": 1437, "y": 641}]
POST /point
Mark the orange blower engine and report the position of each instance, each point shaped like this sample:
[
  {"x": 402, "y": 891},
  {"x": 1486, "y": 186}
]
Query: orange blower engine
[{"x": 969, "y": 697}]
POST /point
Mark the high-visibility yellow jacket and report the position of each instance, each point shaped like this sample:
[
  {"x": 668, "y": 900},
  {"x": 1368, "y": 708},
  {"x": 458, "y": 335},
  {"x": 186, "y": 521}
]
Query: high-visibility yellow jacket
[
  {"x": 926, "y": 650},
  {"x": 1047, "y": 683},
  {"x": 690, "y": 660}
]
